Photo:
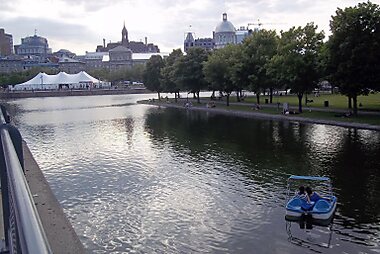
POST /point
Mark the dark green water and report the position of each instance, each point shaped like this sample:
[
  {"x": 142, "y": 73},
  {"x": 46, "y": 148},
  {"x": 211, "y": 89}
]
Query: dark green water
[{"x": 135, "y": 178}]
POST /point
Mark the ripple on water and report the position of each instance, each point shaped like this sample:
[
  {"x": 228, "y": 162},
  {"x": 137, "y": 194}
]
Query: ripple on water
[{"x": 133, "y": 179}]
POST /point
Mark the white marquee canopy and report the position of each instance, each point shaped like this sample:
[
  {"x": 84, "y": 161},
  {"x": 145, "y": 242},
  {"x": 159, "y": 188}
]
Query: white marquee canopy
[{"x": 43, "y": 81}]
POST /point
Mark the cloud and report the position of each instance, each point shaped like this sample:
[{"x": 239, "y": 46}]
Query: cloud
[
  {"x": 94, "y": 6},
  {"x": 51, "y": 29},
  {"x": 82, "y": 23},
  {"x": 8, "y": 5}
]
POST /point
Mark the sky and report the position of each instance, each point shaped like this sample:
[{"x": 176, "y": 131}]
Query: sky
[{"x": 80, "y": 25}]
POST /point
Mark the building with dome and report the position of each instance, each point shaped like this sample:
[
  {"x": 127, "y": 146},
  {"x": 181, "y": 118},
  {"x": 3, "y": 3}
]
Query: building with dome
[
  {"x": 34, "y": 46},
  {"x": 225, "y": 33}
]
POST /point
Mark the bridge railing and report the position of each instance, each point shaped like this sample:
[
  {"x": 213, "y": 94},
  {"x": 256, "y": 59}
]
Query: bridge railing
[{"x": 23, "y": 231}]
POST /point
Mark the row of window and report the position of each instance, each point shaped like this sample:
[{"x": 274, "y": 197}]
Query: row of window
[
  {"x": 31, "y": 51},
  {"x": 199, "y": 44}
]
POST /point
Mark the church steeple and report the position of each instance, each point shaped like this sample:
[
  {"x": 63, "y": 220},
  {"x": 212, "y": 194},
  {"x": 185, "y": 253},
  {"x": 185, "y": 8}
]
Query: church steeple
[{"x": 124, "y": 36}]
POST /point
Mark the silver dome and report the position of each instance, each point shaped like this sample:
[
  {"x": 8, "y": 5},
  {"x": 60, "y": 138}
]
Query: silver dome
[{"x": 225, "y": 26}]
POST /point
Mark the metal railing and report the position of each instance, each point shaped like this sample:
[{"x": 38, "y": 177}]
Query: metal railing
[{"x": 23, "y": 229}]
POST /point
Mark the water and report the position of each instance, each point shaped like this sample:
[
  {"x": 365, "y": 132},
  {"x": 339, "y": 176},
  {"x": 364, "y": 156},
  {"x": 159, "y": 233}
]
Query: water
[{"x": 140, "y": 179}]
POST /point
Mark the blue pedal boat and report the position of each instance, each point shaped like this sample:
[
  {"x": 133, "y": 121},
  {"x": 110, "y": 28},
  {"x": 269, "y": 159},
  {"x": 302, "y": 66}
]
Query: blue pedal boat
[{"x": 321, "y": 210}]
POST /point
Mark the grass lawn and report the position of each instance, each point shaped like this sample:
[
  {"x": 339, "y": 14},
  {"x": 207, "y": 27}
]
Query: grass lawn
[
  {"x": 370, "y": 102},
  {"x": 368, "y": 119}
]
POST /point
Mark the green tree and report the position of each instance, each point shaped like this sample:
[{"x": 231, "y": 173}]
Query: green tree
[
  {"x": 188, "y": 71},
  {"x": 136, "y": 72},
  {"x": 354, "y": 55},
  {"x": 221, "y": 69},
  {"x": 238, "y": 70},
  {"x": 297, "y": 62},
  {"x": 168, "y": 79},
  {"x": 258, "y": 51},
  {"x": 102, "y": 74},
  {"x": 152, "y": 74}
]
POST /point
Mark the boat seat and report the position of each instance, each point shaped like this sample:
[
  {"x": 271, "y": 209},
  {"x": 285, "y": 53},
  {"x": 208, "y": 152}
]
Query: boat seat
[
  {"x": 322, "y": 205},
  {"x": 296, "y": 203}
]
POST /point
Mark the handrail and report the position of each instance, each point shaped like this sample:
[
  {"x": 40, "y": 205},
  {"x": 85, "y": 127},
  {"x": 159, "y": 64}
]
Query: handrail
[{"x": 25, "y": 233}]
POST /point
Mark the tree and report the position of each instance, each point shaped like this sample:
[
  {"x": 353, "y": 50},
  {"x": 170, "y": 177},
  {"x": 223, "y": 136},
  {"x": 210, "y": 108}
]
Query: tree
[
  {"x": 136, "y": 73},
  {"x": 258, "y": 51},
  {"x": 152, "y": 74},
  {"x": 168, "y": 79},
  {"x": 14, "y": 78},
  {"x": 297, "y": 62},
  {"x": 222, "y": 67},
  {"x": 238, "y": 71},
  {"x": 188, "y": 71},
  {"x": 102, "y": 74},
  {"x": 354, "y": 55}
]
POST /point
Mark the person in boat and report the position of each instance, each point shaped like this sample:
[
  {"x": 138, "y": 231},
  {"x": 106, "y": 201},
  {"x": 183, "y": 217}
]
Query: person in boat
[
  {"x": 313, "y": 196},
  {"x": 302, "y": 194}
]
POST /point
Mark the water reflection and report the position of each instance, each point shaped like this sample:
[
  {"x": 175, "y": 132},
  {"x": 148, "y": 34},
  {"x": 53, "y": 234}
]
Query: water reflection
[
  {"x": 315, "y": 239},
  {"x": 135, "y": 178},
  {"x": 291, "y": 149}
]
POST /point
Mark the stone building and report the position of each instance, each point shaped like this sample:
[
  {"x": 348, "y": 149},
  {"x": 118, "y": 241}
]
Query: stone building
[
  {"x": 6, "y": 43},
  {"x": 64, "y": 53},
  {"x": 225, "y": 33},
  {"x": 11, "y": 64},
  {"x": 70, "y": 65},
  {"x": 120, "y": 58},
  {"x": 36, "y": 47},
  {"x": 205, "y": 43},
  {"x": 134, "y": 46},
  {"x": 94, "y": 60}
]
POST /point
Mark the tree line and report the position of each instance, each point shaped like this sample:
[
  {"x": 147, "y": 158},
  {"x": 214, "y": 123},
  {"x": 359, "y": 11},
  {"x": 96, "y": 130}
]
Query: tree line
[{"x": 297, "y": 59}]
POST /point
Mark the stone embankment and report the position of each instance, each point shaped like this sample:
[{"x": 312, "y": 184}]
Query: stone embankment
[
  {"x": 258, "y": 114},
  {"x": 58, "y": 93},
  {"x": 59, "y": 231}
]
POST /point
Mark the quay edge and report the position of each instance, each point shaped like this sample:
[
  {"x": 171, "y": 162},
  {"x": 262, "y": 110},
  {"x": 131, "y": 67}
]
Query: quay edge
[{"x": 59, "y": 231}]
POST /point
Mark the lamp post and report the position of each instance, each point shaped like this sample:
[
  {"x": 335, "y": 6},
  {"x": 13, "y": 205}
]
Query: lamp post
[{"x": 42, "y": 81}]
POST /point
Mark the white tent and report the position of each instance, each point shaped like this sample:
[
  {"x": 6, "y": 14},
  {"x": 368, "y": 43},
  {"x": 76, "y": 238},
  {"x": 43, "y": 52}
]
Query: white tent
[{"x": 62, "y": 80}]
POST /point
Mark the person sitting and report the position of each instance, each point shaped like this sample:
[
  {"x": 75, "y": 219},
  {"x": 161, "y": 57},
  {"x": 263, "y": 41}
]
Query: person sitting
[
  {"x": 306, "y": 204},
  {"x": 302, "y": 194},
  {"x": 313, "y": 196}
]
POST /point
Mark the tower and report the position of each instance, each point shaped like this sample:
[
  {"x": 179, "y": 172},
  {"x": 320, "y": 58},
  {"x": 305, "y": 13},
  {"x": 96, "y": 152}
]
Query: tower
[
  {"x": 124, "y": 36},
  {"x": 6, "y": 43},
  {"x": 189, "y": 41}
]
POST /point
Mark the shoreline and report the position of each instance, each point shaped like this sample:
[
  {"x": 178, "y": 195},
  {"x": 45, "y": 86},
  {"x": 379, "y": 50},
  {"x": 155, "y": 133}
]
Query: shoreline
[
  {"x": 260, "y": 115},
  {"x": 64, "y": 93}
]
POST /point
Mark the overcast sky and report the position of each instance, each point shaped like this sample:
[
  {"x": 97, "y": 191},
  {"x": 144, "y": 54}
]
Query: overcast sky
[{"x": 80, "y": 25}]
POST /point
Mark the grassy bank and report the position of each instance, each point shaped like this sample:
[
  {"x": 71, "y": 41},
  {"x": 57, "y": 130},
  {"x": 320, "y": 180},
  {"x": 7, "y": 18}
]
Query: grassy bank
[
  {"x": 307, "y": 114},
  {"x": 367, "y": 119},
  {"x": 338, "y": 101}
]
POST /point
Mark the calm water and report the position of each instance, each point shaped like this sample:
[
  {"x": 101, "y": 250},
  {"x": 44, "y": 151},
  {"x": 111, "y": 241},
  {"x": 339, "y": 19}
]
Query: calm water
[{"x": 139, "y": 179}]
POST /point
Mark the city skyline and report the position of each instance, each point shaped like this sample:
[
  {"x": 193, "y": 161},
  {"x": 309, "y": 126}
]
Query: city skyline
[{"x": 80, "y": 26}]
